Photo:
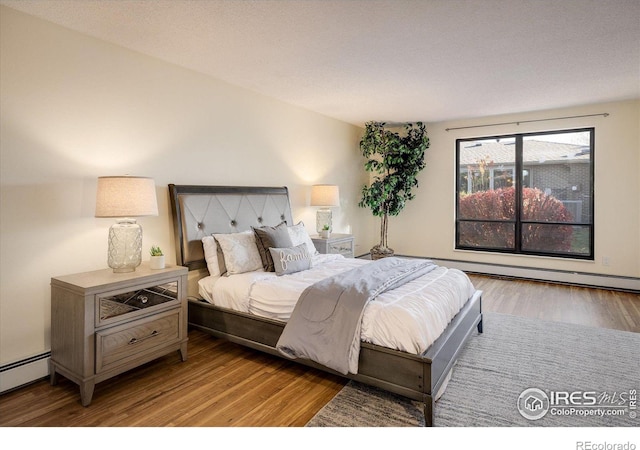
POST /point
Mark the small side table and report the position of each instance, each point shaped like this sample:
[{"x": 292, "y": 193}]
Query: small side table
[
  {"x": 105, "y": 323},
  {"x": 336, "y": 243}
]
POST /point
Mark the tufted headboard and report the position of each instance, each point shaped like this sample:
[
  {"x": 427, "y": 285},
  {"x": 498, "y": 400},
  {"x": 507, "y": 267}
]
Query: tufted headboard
[{"x": 200, "y": 211}]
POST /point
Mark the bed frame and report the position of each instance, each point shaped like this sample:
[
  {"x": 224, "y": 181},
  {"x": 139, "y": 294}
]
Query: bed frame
[{"x": 199, "y": 211}]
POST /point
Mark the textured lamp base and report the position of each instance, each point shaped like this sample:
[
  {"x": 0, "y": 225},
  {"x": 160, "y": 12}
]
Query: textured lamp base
[
  {"x": 125, "y": 245},
  {"x": 323, "y": 217}
]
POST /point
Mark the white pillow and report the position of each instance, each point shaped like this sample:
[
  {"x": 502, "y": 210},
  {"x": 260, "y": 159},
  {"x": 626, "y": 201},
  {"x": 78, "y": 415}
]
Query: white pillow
[
  {"x": 240, "y": 252},
  {"x": 211, "y": 256},
  {"x": 298, "y": 234}
]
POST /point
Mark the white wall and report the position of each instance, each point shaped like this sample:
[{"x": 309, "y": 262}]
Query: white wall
[
  {"x": 74, "y": 108},
  {"x": 427, "y": 226}
]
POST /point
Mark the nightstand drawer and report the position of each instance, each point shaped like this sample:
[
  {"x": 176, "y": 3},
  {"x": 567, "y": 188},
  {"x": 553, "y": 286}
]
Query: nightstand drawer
[
  {"x": 337, "y": 243},
  {"x": 114, "y": 307},
  {"x": 343, "y": 248},
  {"x": 118, "y": 345}
]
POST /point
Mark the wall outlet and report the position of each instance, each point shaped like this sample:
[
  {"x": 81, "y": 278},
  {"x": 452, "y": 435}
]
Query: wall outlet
[{"x": 606, "y": 261}]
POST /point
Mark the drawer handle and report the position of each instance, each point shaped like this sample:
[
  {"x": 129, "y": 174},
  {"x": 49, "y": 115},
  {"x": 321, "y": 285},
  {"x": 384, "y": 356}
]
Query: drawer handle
[{"x": 154, "y": 333}]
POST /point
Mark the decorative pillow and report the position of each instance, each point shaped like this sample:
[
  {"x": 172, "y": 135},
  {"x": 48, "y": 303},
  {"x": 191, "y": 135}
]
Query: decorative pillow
[
  {"x": 214, "y": 257},
  {"x": 299, "y": 235},
  {"x": 290, "y": 260},
  {"x": 267, "y": 237},
  {"x": 240, "y": 252}
]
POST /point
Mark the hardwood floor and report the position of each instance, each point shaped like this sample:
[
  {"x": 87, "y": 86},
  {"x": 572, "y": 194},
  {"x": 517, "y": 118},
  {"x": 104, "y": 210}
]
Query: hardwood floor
[
  {"x": 223, "y": 384},
  {"x": 560, "y": 303}
]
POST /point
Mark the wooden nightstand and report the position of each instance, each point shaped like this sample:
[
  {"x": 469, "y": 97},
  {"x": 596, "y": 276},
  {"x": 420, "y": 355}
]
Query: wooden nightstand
[
  {"x": 337, "y": 243},
  {"x": 105, "y": 323}
]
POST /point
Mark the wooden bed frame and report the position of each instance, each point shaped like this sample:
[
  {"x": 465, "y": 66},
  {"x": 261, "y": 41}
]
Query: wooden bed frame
[{"x": 199, "y": 211}]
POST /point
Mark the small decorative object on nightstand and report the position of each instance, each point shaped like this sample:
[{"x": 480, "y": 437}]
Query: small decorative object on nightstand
[
  {"x": 157, "y": 258},
  {"x": 336, "y": 243},
  {"x": 105, "y": 323},
  {"x": 325, "y": 233}
]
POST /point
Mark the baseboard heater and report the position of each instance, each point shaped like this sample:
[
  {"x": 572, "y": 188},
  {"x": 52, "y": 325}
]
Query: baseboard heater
[
  {"x": 586, "y": 279},
  {"x": 25, "y": 371},
  {"x": 612, "y": 282}
]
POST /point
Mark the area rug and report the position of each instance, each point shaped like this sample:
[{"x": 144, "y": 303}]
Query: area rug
[{"x": 519, "y": 373}]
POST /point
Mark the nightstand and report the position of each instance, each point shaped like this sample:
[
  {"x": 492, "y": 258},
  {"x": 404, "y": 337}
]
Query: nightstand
[
  {"x": 105, "y": 323},
  {"x": 337, "y": 243}
]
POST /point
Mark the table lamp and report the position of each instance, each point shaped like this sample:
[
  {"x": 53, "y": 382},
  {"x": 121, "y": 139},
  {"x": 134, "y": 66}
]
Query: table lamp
[
  {"x": 125, "y": 197},
  {"x": 326, "y": 196}
]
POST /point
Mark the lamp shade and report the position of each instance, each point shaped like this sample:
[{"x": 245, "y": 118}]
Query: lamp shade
[
  {"x": 325, "y": 195},
  {"x": 126, "y": 197}
]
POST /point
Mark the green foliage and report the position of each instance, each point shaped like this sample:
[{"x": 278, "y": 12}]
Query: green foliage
[
  {"x": 156, "y": 251},
  {"x": 395, "y": 160}
]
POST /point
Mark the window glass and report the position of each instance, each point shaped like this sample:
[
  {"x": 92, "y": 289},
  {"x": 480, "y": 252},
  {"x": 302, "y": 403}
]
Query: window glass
[
  {"x": 526, "y": 193},
  {"x": 560, "y": 167}
]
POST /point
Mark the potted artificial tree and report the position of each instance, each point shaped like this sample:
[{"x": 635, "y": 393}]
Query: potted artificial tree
[{"x": 395, "y": 161}]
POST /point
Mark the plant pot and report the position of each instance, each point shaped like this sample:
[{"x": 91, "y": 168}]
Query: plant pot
[
  {"x": 379, "y": 253},
  {"x": 156, "y": 262},
  {"x": 325, "y": 234}
]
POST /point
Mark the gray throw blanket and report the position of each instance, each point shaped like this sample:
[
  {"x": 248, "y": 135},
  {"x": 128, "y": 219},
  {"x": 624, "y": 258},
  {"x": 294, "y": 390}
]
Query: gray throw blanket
[{"x": 325, "y": 323}]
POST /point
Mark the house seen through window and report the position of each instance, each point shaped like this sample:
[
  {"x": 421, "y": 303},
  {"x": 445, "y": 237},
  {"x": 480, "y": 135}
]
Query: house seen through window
[{"x": 526, "y": 193}]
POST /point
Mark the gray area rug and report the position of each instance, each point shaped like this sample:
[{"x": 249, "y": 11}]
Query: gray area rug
[{"x": 513, "y": 355}]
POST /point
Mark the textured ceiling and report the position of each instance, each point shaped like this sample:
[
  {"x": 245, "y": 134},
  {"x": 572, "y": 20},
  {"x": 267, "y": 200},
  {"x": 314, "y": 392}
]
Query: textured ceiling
[{"x": 392, "y": 60}]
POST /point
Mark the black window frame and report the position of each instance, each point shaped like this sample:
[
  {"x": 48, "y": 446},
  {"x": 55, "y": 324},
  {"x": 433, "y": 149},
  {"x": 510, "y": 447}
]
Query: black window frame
[{"x": 518, "y": 182}]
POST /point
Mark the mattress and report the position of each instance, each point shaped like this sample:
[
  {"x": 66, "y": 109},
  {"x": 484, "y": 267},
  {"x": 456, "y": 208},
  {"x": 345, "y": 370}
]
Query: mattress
[{"x": 409, "y": 318}]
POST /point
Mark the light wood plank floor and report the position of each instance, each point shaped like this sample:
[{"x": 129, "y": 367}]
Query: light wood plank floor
[{"x": 223, "y": 384}]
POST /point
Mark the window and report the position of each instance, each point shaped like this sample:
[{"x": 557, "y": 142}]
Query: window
[{"x": 526, "y": 193}]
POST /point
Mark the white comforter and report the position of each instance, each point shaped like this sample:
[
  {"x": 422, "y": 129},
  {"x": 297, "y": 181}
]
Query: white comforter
[{"x": 408, "y": 318}]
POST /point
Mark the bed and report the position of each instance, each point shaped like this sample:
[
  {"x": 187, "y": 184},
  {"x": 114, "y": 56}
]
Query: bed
[{"x": 201, "y": 211}]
